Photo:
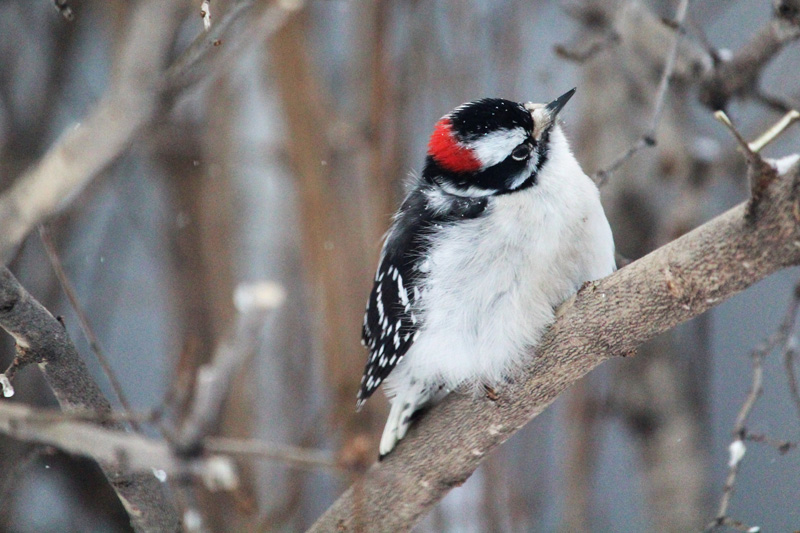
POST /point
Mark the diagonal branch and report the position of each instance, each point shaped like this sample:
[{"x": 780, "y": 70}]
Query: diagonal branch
[
  {"x": 648, "y": 138},
  {"x": 608, "y": 318},
  {"x": 88, "y": 147}
]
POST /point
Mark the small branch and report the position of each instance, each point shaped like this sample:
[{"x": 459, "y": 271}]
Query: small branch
[
  {"x": 113, "y": 448},
  {"x": 588, "y": 51},
  {"x": 733, "y": 524},
  {"x": 83, "y": 320},
  {"x": 22, "y": 358},
  {"x": 775, "y": 131},
  {"x": 782, "y": 446},
  {"x": 739, "y": 75},
  {"x": 249, "y": 20},
  {"x": 91, "y": 145},
  {"x": 602, "y": 176},
  {"x": 253, "y": 302},
  {"x": 292, "y": 455},
  {"x": 791, "y": 376},
  {"x": 737, "y": 448},
  {"x": 760, "y": 174},
  {"x": 140, "y": 453},
  {"x": 772, "y": 102},
  {"x": 648, "y": 138},
  {"x": 744, "y": 146}
]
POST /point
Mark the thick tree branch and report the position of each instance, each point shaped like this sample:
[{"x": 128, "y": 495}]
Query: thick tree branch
[
  {"x": 608, "y": 318},
  {"x": 44, "y": 339}
]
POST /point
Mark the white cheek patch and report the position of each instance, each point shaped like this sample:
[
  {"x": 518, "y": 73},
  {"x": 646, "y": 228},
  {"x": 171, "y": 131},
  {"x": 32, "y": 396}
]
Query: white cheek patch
[{"x": 494, "y": 147}]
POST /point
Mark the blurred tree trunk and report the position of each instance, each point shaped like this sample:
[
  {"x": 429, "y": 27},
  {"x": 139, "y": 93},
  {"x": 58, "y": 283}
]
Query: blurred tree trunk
[
  {"x": 660, "y": 395},
  {"x": 205, "y": 222},
  {"x": 338, "y": 207}
]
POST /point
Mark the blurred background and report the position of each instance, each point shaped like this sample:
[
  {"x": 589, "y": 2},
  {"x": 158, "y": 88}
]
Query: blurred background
[{"x": 286, "y": 163}]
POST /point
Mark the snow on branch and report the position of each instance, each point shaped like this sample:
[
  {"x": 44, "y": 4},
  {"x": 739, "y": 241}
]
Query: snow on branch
[{"x": 782, "y": 338}]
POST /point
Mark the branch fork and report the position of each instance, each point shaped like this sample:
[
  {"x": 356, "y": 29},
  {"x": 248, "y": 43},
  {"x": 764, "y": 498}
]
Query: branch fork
[{"x": 760, "y": 173}]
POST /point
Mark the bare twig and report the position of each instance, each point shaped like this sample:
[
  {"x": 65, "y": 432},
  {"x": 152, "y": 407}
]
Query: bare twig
[
  {"x": 249, "y": 20},
  {"x": 83, "y": 320},
  {"x": 253, "y": 302},
  {"x": 291, "y": 455},
  {"x": 110, "y": 447},
  {"x": 744, "y": 146},
  {"x": 648, "y": 138},
  {"x": 791, "y": 117},
  {"x": 760, "y": 173},
  {"x": 780, "y": 337},
  {"x": 86, "y": 438},
  {"x": 22, "y": 358},
  {"x": 588, "y": 51},
  {"x": 739, "y": 75},
  {"x": 87, "y": 147},
  {"x": 782, "y": 446},
  {"x": 775, "y": 103},
  {"x": 791, "y": 375}
]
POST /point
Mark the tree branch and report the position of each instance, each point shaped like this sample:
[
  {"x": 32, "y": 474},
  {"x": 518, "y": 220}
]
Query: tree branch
[
  {"x": 144, "y": 454},
  {"x": 739, "y": 75},
  {"x": 608, "y": 318},
  {"x": 44, "y": 338}
]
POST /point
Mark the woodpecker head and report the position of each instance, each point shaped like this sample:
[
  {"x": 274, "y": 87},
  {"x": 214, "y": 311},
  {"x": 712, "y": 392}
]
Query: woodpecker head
[{"x": 491, "y": 146}]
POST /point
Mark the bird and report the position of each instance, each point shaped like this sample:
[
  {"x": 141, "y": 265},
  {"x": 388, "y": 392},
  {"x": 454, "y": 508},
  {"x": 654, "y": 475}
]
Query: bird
[{"x": 501, "y": 226}]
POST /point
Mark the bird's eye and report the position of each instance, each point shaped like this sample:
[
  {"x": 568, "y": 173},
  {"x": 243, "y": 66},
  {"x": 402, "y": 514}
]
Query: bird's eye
[{"x": 521, "y": 152}]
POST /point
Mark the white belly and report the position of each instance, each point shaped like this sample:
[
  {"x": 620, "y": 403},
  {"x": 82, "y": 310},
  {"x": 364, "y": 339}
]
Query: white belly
[{"x": 492, "y": 288}]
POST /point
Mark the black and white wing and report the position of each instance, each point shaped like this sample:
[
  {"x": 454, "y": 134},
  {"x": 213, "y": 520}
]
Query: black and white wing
[{"x": 393, "y": 319}]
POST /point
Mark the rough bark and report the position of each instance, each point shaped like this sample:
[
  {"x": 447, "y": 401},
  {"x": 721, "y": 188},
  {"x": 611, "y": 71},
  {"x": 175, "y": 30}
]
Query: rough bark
[{"x": 608, "y": 318}]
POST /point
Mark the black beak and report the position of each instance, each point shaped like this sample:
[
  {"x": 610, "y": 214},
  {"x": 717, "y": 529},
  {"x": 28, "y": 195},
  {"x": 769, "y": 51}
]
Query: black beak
[{"x": 555, "y": 106}]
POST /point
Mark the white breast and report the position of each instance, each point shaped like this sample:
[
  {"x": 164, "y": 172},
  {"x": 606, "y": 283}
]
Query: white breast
[{"x": 494, "y": 281}]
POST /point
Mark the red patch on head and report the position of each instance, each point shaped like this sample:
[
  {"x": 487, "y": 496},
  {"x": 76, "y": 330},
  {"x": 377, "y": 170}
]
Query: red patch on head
[{"x": 448, "y": 152}]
